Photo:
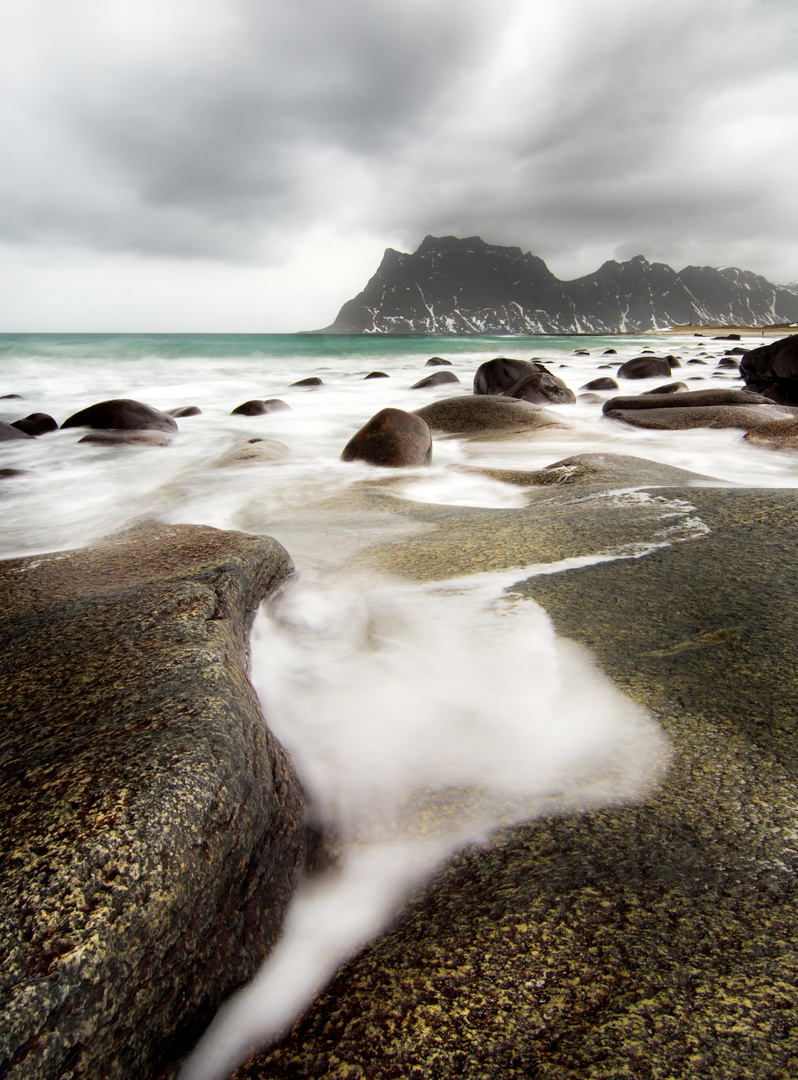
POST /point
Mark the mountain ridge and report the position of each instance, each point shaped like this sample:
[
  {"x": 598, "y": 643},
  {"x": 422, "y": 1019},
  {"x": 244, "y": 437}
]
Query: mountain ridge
[{"x": 452, "y": 285}]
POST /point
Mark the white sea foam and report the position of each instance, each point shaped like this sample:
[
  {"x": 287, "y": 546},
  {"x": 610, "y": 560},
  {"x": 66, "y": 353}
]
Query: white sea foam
[{"x": 420, "y": 718}]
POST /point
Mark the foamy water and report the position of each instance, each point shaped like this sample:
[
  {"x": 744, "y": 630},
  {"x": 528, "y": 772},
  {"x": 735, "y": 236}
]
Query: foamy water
[{"x": 419, "y": 717}]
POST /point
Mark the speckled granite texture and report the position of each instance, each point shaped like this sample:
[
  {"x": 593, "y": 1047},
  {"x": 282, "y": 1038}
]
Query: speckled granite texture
[{"x": 150, "y": 825}]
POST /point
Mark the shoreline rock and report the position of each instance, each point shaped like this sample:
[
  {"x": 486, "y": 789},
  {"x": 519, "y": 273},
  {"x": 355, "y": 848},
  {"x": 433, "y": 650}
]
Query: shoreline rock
[{"x": 152, "y": 827}]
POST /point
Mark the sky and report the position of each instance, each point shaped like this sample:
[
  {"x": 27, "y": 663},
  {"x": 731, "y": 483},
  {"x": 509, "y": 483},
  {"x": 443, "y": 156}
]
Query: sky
[{"x": 241, "y": 165}]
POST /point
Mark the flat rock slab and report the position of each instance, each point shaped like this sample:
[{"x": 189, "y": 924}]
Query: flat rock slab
[
  {"x": 485, "y": 413},
  {"x": 658, "y": 940},
  {"x": 747, "y": 417},
  {"x": 150, "y": 824}
]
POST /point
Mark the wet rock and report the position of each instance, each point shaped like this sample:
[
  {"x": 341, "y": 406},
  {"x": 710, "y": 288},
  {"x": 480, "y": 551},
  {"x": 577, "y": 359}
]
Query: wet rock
[
  {"x": 185, "y": 410},
  {"x": 151, "y": 824},
  {"x": 782, "y": 434},
  {"x": 376, "y": 375},
  {"x": 772, "y": 370},
  {"x": 438, "y": 379},
  {"x": 667, "y": 388},
  {"x": 727, "y": 362},
  {"x": 392, "y": 438},
  {"x": 629, "y": 940},
  {"x": 644, "y": 367},
  {"x": 258, "y": 407},
  {"x": 497, "y": 376},
  {"x": 36, "y": 424},
  {"x": 685, "y": 399},
  {"x": 707, "y": 416},
  {"x": 122, "y": 414},
  {"x": 542, "y": 388},
  {"x": 437, "y": 361},
  {"x": 8, "y": 432},
  {"x": 485, "y": 413},
  {"x": 128, "y": 438},
  {"x": 610, "y": 352},
  {"x": 696, "y": 360},
  {"x": 310, "y": 383},
  {"x": 263, "y": 451},
  {"x": 673, "y": 361},
  {"x": 603, "y": 383},
  {"x": 6, "y": 397}
]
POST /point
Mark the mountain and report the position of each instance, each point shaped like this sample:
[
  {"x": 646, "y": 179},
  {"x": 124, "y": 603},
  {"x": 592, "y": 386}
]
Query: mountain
[{"x": 465, "y": 286}]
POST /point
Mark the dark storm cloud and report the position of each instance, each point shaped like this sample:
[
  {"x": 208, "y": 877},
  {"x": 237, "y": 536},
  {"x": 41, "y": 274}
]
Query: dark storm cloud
[{"x": 229, "y": 130}]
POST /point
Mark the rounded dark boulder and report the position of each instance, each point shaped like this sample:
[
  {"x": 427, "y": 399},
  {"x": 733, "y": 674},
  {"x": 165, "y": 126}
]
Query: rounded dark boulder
[
  {"x": 666, "y": 388},
  {"x": 603, "y": 383},
  {"x": 36, "y": 423},
  {"x": 376, "y": 375},
  {"x": 121, "y": 414},
  {"x": 258, "y": 407},
  {"x": 392, "y": 438},
  {"x": 540, "y": 387},
  {"x": 645, "y": 367},
  {"x": 311, "y": 382},
  {"x": 772, "y": 370},
  {"x": 437, "y": 361},
  {"x": 437, "y": 379},
  {"x": 186, "y": 410},
  {"x": 497, "y": 376}
]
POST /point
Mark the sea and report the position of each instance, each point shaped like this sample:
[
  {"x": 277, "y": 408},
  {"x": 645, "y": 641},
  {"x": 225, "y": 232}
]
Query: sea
[{"x": 387, "y": 693}]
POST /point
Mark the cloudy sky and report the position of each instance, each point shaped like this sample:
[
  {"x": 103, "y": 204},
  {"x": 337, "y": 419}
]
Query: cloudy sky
[{"x": 241, "y": 165}]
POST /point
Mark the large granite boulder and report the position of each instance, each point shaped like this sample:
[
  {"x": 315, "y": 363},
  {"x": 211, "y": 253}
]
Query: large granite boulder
[
  {"x": 36, "y": 424},
  {"x": 772, "y": 370},
  {"x": 526, "y": 380},
  {"x": 392, "y": 438},
  {"x": 644, "y": 367},
  {"x": 151, "y": 826},
  {"x": 121, "y": 414},
  {"x": 485, "y": 413},
  {"x": 498, "y": 375},
  {"x": 678, "y": 399}
]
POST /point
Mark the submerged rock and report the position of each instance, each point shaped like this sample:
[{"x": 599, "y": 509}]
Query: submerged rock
[
  {"x": 484, "y": 413},
  {"x": 437, "y": 379},
  {"x": 602, "y": 383},
  {"x": 128, "y": 438},
  {"x": 644, "y": 367},
  {"x": 256, "y": 451},
  {"x": 392, "y": 438},
  {"x": 259, "y": 407},
  {"x": 151, "y": 825},
  {"x": 122, "y": 414},
  {"x": 37, "y": 423},
  {"x": 185, "y": 410},
  {"x": 707, "y": 416},
  {"x": 437, "y": 361},
  {"x": 665, "y": 398}
]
